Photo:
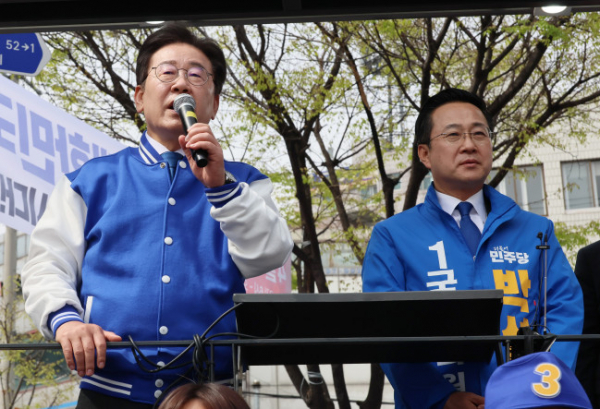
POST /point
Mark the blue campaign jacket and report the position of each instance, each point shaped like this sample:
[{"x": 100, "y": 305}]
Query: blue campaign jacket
[
  {"x": 121, "y": 247},
  {"x": 422, "y": 249}
]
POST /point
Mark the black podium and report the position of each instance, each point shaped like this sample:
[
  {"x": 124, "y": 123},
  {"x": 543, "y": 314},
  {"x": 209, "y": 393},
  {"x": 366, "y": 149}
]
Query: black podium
[{"x": 428, "y": 326}]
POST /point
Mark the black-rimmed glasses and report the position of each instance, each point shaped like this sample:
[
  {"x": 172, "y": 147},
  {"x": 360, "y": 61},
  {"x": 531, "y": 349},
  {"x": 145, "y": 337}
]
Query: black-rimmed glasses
[
  {"x": 167, "y": 72},
  {"x": 479, "y": 137}
]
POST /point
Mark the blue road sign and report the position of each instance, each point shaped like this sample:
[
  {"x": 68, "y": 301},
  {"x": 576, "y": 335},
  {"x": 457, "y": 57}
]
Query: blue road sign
[{"x": 24, "y": 53}]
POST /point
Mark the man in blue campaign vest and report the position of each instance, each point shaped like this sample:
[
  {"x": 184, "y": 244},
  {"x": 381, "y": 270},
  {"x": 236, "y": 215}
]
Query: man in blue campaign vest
[
  {"x": 131, "y": 245},
  {"x": 467, "y": 236}
]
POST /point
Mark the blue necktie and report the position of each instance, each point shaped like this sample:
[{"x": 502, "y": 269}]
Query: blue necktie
[
  {"x": 172, "y": 158},
  {"x": 468, "y": 229}
]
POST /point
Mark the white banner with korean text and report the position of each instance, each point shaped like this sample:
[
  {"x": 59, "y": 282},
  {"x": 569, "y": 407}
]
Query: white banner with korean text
[{"x": 39, "y": 142}]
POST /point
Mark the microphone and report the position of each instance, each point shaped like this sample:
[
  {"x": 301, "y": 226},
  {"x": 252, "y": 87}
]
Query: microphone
[
  {"x": 185, "y": 106},
  {"x": 544, "y": 279},
  {"x": 533, "y": 341}
]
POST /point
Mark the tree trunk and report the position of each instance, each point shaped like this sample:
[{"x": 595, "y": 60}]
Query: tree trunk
[
  {"x": 312, "y": 390},
  {"x": 414, "y": 182},
  {"x": 339, "y": 381},
  {"x": 375, "y": 396}
]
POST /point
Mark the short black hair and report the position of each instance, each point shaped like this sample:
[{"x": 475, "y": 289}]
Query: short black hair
[
  {"x": 424, "y": 123},
  {"x": 172, "y": 33}
]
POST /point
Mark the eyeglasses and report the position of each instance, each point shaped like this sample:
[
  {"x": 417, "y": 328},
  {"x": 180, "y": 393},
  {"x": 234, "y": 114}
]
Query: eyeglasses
[
  {"x": 479, "y": 137},
  {"x": 196, "y": 75}
]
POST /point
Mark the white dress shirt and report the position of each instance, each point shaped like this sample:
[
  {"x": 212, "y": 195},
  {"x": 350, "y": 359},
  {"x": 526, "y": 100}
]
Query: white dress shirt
[
  {"x": 478, "y": 212},
  {"x": 160, "y": 148}
]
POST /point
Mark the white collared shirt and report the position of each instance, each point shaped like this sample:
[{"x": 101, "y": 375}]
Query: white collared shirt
[
  {"x": 478, "y": 212},
  {"x": 160, "y": 148}
]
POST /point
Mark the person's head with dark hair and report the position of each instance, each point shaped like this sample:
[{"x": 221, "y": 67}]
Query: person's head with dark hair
[
  {"x": 204, "y": 396},
  {"x": 173, "y": 33},
  {"x": 173, "y": 61},
  {"x": 453, "y": 131},
  {"x": 424, "y": 123}
]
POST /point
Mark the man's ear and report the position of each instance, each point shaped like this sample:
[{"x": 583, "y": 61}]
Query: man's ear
[
  {"x": 138, "y": 97},
  {"x": 215, "y": 106},
  {"x": 423, "y": 151}
]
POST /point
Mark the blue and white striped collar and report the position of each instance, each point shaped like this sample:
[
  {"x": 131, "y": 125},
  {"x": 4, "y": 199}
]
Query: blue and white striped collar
[
  {"x": 151, "y": 150},
  {"x": 147, "y": 151}
]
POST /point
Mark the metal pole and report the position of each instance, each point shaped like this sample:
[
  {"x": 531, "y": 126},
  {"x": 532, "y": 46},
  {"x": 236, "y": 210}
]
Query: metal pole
[
  {"x": 8, "y": 300},
  {"x": 9, "y": 274}
]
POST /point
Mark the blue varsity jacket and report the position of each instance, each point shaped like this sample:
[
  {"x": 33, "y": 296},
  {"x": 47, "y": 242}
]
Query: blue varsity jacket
[{"x": 121, "y": 247}]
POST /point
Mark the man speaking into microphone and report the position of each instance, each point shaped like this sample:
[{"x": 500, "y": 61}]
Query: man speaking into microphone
[{"x": 146, "y": 244}]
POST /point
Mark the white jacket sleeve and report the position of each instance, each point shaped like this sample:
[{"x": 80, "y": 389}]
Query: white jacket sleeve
[
  {"x": 259, "y": 239},
  {"x": 52, "y": 273}
]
